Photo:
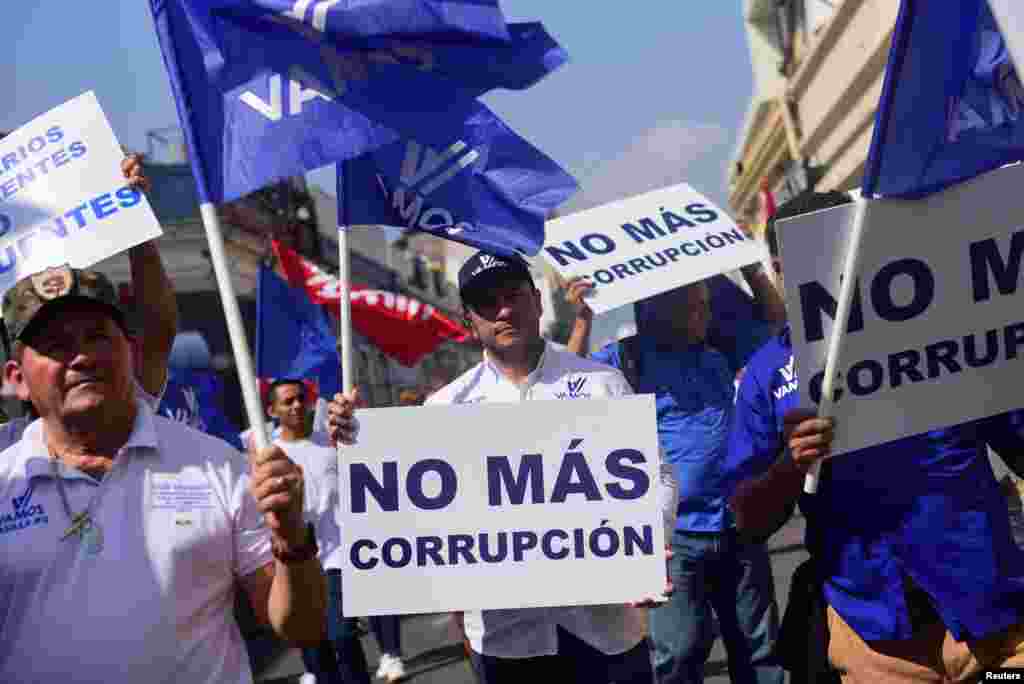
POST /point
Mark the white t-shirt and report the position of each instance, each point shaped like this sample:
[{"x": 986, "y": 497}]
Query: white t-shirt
[
  {"x": 529, "y": 632},
  {"x": 319, "y": 461},
  {"x": 155, "y": 604},
  {"x": 11, "y": 431}
]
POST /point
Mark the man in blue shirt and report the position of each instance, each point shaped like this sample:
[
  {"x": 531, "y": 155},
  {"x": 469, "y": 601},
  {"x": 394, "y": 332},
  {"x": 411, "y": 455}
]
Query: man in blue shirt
[
  {"x": 921, "y": 576},
  {"x": 711, "y": 566}
]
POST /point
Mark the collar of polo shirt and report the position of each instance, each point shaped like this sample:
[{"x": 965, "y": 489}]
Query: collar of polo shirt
[
  {"x": 143, "y": 440},
  {"x": 534, "y": 374}
]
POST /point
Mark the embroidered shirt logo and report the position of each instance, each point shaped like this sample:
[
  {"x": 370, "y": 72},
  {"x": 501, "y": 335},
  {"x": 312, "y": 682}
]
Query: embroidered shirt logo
[
  {"x": 574, "y": 389},
  {"x": 787, "y": 370},
  {"x": 789, "y": 381},
  {"x": 26, "y": 514}
]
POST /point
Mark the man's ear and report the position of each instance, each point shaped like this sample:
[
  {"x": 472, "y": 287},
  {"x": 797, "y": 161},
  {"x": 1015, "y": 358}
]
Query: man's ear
[{"x": 14, "y": 377}]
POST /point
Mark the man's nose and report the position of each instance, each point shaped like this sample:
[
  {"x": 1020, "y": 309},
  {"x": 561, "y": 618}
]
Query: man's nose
[{"x": 504, "y": 305}]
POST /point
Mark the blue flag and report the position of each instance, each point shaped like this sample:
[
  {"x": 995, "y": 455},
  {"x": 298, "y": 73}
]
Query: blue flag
[
  {"x": 360, "y": 20},
  {"x": 294, "y": 338},
  {"x": 483, "y": 186},
  {"x": 264, "y": 96},
  {"x": 951, "y": 104},
  {"x": 195, "y": 397}
]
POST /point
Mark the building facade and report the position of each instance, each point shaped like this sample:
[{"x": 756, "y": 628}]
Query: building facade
[{"x": 818, "y": 70}]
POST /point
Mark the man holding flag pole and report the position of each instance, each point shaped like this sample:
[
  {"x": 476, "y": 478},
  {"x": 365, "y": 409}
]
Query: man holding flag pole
[
  {"x": 926, "y": 584},
  {"x": 570, "y": 643}
]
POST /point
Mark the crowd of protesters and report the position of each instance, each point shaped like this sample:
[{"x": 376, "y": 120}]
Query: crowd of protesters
[{"x": 126, "y": 536}]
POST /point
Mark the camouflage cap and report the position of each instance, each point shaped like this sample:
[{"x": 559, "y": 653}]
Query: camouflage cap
[{"x": 37, "y": 294}]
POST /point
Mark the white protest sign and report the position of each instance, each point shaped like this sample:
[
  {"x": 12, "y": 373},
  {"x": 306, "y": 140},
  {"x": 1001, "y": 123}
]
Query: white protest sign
[
  {"x": 936, "y": 331},
  {"x": 637, "y": 247},
  {"x": 63, "y": 199},
  {"x": 541, "y": 503}
]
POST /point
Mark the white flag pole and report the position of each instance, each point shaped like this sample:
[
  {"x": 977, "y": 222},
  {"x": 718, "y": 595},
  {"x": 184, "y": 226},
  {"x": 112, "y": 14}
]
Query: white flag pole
[
  {"x": 348, "y": 379},
  {"x": 839, "y": 324},
  {"x": 236, "y": 332},
  {"x": 345, "y": 311},
  {"x": 1009, "y": 17}
]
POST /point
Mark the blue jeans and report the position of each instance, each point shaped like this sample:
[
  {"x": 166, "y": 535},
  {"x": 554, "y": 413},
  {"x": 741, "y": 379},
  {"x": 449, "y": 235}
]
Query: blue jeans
[
  {"x": 339, "y": 659},
  {"x": 577, "y": 662},
  {"x": 388, "y": 631},
  {"x": 719, "y": 571}
]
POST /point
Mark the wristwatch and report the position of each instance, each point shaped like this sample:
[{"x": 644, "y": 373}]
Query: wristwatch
[{"x": 300, "y": 554}]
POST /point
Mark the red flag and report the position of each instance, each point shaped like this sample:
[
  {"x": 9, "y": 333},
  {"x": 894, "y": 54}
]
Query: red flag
[{"x": 403, "y": 328}]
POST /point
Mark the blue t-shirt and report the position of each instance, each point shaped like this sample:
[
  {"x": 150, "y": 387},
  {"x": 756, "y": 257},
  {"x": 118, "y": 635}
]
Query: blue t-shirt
[
  {"x": 694, "y": 389},
  {"x": 926, "y": 507}
]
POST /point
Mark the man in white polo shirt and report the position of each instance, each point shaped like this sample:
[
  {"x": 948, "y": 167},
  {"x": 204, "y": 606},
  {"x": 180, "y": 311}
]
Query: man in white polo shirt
[
  {"x": 339, "y": 658},
  {"x": 122, "y": 534},
  {"x": 585, "y": 644}
]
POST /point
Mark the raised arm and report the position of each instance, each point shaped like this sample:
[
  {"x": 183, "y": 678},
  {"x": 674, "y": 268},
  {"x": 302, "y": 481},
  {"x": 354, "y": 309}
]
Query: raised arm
[
  {"x": 579, "y": 337},
  {"x": 154, "y": 296}
]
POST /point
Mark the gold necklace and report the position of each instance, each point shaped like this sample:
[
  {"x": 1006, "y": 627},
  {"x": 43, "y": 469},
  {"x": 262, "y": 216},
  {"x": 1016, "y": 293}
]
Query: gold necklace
[{"x": 82, "y": 525}]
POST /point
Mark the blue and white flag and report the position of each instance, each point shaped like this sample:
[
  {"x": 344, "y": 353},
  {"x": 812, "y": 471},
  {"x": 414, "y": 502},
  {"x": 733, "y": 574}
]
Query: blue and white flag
[
  {"x": 357, "y": 20},
  {"x": 294, "y": 338},
  {"x": 195, "y": 397},
  {"x": 951, "y": 104},
  {"x": 483, "y": 185},
  {"x": 264, "y": 96}
]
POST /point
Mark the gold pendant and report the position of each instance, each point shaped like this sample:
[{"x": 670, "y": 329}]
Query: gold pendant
[{"x": 77, "y": 523}]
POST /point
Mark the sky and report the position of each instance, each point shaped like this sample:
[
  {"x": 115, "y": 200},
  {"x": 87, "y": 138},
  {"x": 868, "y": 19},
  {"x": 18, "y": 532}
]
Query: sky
[{"x": 654, "y": 92}]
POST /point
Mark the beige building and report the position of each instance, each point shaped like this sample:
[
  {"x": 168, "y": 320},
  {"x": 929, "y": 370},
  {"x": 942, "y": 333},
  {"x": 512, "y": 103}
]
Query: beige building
[{"x": 818, "y": 70}]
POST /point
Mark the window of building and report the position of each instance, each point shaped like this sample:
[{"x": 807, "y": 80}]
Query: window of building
[
  {"x": 419, "y": 273},
  {"x": 440, "y": 284},
  {"x": 817, "y": 13}
]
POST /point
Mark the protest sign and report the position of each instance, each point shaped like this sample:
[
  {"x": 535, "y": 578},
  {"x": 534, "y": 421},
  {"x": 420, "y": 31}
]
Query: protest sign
[
  {"x": 637, "y": 247},
  {"x": 546, "y": 503},
  {"x": 936, "y": 333},
  {"x": 63, "y": 199}
]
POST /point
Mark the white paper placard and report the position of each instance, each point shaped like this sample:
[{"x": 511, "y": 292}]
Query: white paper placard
[
  {"x": 63, "y": 199},
  {"x": 937, "y": 332},
  {"x": 491, "y": 506},
  {"x": 640, "y": 246}
]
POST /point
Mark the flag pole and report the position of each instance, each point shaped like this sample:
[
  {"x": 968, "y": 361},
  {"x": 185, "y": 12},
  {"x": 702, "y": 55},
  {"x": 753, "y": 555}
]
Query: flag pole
[
  {"x": 1010, "y": 20},
  {"x": 345, "y": 311},
  {"x": 847, "y": 286},
  {"x": 236, "y": 331},
  {"x": 345, "y": 283}
]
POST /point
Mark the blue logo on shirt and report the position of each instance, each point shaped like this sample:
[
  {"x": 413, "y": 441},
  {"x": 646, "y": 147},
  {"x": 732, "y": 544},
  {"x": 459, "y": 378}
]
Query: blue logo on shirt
[
  {"x": 574, "y": 389},
  {"x": 25, "y": 513}
]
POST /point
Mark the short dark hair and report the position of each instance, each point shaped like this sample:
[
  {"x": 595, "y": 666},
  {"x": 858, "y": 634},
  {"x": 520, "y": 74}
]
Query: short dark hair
[
  {"x": 283, "y": 382},
  {"x": 803, "y": 203}
]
